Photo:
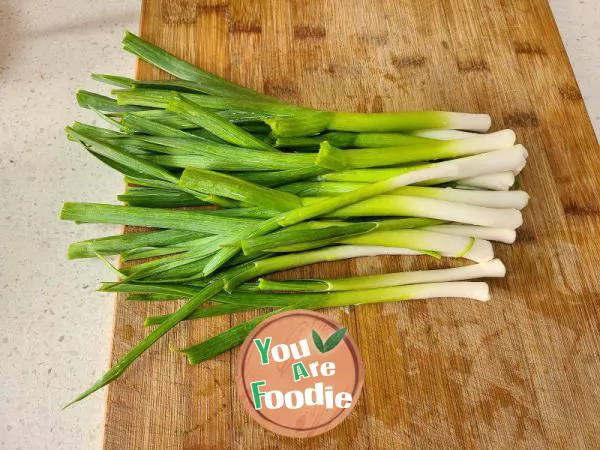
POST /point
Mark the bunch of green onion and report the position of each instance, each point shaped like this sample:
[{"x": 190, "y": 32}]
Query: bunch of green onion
[{"x": 236, "y": 185}]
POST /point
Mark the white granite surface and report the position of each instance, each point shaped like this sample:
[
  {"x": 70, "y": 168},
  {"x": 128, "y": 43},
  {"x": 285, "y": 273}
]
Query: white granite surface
[{"x": 54, "y": 329}]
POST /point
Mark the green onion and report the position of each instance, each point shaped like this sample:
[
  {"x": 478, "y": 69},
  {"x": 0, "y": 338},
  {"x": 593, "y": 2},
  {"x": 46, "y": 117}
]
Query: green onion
[
  {"x": 236, "y": 335},
  {"x": 501, "y": 181},
  {"x": 284, "y": 262},
  {"x": 398, "y": 205},
  {"x": 162, "y": 117},
  {"x": 307, "y": 124},
  {"x": 421, "y": 240},
  {"x": 331, "y": 204},
  {"x": 505, "y": 235},
  {"x": 132, "y": 165},
  {"x": 512, "y": 199},
  {"x": 91, "y": 130},
  {"x": 149, "y": 252},
  {"x": 493, "y": 268},
  {"x": 433, "y": 150},
  {"x": 201, "y": 140},
  {"x": 394, "y": 205},
  {"x": 512, "y": 159},
  {"x": 153, "y": 298},
  {"x": 299, "y": 241},
  {"x": 165, "y": 268}
]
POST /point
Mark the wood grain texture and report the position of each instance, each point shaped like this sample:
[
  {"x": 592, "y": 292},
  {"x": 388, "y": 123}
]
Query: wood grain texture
[{"x": 522, "y": 369}]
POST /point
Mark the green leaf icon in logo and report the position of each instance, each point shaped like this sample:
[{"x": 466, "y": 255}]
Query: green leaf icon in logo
[{"x": 331, "y": 342}]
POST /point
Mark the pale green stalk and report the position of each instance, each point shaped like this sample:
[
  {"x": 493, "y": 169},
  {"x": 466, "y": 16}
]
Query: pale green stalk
[
  {"x": 343, "y": 139},
  {"x": 284, "y": 262},
  {"x": 505, "y": 235},
  {"x": 392, "y": 205},
  {"x": 493, "y": 268},
  {"x": 512, "y": 199},
  {"x": 512, "y": 159},
  {"x": 309, "y": 124},
  {"x": 300, "y": 243},
  {"x": 490, "y": 199},
  {"x": 329, "y": 205},
  {"x": 501, "y": 181},
  {"x": 428, "y": 151},
  {"x": 401, "y": 206},
  {"x": 444, "y": 135},
  {"x": 429, "y": 241}
]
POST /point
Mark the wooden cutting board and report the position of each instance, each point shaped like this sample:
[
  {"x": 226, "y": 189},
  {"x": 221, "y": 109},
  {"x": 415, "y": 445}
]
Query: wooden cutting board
[{"x": 522, "y": 369}]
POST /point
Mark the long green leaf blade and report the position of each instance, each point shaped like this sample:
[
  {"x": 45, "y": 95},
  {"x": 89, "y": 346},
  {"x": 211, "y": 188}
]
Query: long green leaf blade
[
  {"x": 121, "y": 157},
  {"x": 210, "y": 182},
  {"x": 218, "y": 126},
  {"x": 87, "y": 99},
  {"x": 154, "y": 217},
  {"x": 112, "y": 245},
  {"x": 211, "y": 83}
]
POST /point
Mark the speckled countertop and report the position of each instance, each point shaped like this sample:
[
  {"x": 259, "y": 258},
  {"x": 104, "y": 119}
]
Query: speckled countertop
[{"x": 54, "y": 329}]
